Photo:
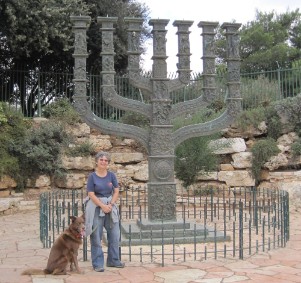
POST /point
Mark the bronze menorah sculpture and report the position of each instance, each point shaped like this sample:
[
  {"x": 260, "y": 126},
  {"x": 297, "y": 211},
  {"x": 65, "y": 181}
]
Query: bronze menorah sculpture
[{"x": 160, "y": 141}]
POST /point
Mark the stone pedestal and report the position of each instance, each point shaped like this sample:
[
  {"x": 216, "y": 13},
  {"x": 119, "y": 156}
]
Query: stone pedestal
[{"x": 176, "y": 232}]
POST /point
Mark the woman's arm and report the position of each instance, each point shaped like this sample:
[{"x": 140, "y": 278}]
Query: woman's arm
[
  {"x": 115, "y": 196},
  {"x": 105, "y": 207}
]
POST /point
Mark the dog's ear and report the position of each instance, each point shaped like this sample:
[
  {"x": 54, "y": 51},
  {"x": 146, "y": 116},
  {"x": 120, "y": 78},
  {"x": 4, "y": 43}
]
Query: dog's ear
[
  {"x": 83, "y": 216},
  {"x": 72, "y": 218}
]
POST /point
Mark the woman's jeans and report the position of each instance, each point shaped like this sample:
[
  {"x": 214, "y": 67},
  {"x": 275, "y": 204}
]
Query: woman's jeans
[{"x": 113, "y": 234}]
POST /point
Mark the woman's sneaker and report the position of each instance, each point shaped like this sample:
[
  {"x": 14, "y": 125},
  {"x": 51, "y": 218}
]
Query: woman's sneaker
[{"x": 118, "y": 265}]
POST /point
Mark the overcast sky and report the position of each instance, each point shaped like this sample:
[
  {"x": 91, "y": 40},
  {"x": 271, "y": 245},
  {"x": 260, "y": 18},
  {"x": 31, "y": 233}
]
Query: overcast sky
[{"x": 209, "y": 10}]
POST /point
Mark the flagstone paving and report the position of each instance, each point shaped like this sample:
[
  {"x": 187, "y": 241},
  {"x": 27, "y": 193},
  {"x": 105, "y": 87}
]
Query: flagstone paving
[{"x": 20, "y": 248}]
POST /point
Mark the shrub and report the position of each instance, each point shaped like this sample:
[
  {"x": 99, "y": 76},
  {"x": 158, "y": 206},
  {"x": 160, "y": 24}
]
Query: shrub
[
  {"x": 63, "y": 111},
  {"x": 274, "y": 126},
  {"x": 249, "y": 118},
  {"x": 83, "y": 149},
  {"x": 260, "y": 91},
  {"x": 262, "y": 151},
  {"x": 192, "y": 156},
  {"x": 13, "y": 129},
  {"x": 39, "y": 151},
  {"x": 296, "y": 148},
  {"x": 291, "y": 109}
]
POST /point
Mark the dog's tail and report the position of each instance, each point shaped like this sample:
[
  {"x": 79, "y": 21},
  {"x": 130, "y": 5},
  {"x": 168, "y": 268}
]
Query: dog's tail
[{"x": 33, "y": 271}]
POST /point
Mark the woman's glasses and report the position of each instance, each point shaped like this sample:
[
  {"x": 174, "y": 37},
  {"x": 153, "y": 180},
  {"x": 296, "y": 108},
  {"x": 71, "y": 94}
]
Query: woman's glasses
[{"x": 103, "y": 160}]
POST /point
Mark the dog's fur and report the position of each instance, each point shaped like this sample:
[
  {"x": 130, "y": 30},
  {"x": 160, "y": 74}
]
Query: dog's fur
[{"x": 64, "y": 250}]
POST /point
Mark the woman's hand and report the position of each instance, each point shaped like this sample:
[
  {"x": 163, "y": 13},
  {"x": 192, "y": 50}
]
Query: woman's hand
[{"x": 107, "y": 208}]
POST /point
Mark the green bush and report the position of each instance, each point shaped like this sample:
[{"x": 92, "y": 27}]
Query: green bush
[
  {"x": 39, "y": 151},
  {"x": 296, "y": 148},
  {"x": 273, "y": 121},
  {"x": 192, "y": 156},
  {"x": 13, "y": 129},
  {"x": 262, "y": 151},
  {"x": 63, "y": 111},
  {"x": 258, "y": 92},
  {"x": 249, "y": 118},
  {"x": 83, "y": 149},
  {"x": 291, "y": 108}
]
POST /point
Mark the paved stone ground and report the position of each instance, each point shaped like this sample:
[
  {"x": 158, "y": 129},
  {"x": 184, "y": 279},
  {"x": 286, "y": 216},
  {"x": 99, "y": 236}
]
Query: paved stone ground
[{"x": 20, "y": 248}]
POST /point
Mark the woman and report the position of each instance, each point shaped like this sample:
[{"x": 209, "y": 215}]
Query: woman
[{"x": 101, "y": 211}]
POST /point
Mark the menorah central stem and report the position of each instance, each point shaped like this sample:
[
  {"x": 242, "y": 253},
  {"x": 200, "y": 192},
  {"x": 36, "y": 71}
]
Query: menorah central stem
[{"x": 161, "y": 184}]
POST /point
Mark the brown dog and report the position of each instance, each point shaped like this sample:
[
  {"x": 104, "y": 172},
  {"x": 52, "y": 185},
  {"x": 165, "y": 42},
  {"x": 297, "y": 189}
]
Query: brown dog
[{"x": 64, "y": 250}]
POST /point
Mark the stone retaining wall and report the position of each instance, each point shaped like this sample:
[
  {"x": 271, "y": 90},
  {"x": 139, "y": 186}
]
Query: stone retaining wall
[{"x": 129, "y": 161}]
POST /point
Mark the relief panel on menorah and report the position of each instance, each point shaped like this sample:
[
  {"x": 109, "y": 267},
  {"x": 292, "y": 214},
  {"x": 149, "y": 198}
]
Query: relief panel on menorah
[
  {"x": 160, "y": 89},
  {"x": 160, "y": 68},
  {"x": 234, "y": 89},
  {"x": 161, "y": 113},
  {"x": 209, "y": 66},
  {"x": 234, "y": 47},
  {"x": 234, "y": 107},
  {"x": 81, "y": 106},
  {"x": 161, "y": 169},
  {"x": 233, "y": 71},
  {"x": 209, "y": 46},
  {"x": 161, "y": 141},
  {"x": 162, "y": 199},
  {"x": 107, "y": 79},
  {"x": 184, "y": 46},
  {"x": 184, "y": 62},
  {"x": 209, "y": 81},
  {"x": 133, "y": 61},
  {"x": 107, "y": 62},
  {"x": 80, "y": 88},
  {"x": 107, "y": 42},
  {"x": 133, "y": 43},
  {"x": 80, "y": 68},
  {"x": 159, "y": 43},
  {"x": 80, "y": 42}
]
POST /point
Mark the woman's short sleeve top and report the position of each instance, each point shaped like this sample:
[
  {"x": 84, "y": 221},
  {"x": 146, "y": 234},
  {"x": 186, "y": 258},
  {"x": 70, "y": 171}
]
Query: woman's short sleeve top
[{"x": 102, "y": 186}]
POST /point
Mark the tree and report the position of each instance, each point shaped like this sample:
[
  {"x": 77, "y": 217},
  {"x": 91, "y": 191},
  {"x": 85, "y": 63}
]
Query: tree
[
  {"x": 36, "y": 36},
  {"x": 270, "y": 41}
]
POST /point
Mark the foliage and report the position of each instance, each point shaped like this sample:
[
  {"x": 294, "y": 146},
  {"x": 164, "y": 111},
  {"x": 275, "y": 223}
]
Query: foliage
[
  {"x": 203, "y": 115},
  {"x": 273, "y": 121},
  {"x": 39, "y": 151},
  {"x": 37, "y": 37},
  {"x": 262, "y": 151},
  {"x": 248, "y": 118},
  {"x": 136, "y": 119},
  {"x": 83, "y": 149},
  {"x": 38, "y": 32},
  {"x": 253, "y": 118},
  {"x": 63, "y": 111},
  {"x": 291, "y": 109},
  {"x": 192, "y": 156},
  {"x": 119, "y": 9},
  {"x": 13, "y": 129},
  {"x": 258, "y": 91},
  {"x": 270, "y": 41},
  {"x": 296, "y": 148}
]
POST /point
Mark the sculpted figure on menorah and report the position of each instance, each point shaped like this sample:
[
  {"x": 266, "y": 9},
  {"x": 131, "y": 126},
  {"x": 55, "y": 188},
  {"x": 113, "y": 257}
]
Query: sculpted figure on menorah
[{"x": 160, "y": 140}]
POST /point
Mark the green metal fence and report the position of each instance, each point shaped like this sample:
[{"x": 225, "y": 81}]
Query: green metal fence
[
  {"x": 31, "y": 91},
  {"x": 237, "y": 222}
]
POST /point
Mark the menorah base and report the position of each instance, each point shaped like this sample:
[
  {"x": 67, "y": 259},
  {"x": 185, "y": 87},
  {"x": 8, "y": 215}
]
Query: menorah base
[{"x": 146, "y": 232}]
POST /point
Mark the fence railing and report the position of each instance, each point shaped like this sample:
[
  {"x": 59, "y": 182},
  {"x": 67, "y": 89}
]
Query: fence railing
[
  {"x": 216, "y": 223},
  {"x": 31, "y": 91}
]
